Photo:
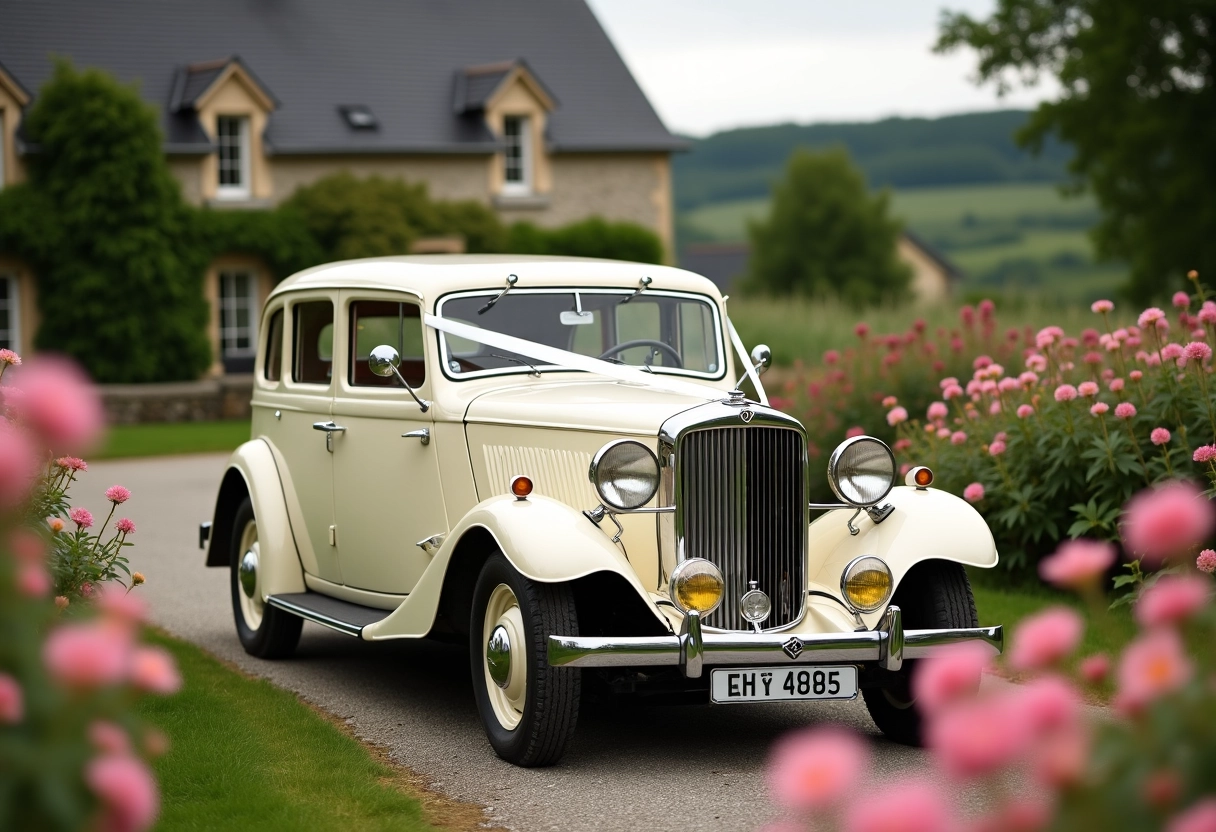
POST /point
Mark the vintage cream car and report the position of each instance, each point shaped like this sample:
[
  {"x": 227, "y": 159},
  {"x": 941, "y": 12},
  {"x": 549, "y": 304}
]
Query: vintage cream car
[{"x": 550, "y": 460}]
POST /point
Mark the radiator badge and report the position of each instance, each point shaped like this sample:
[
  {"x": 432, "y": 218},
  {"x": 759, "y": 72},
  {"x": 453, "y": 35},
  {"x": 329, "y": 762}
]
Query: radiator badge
[
  {"x": 793, "y": 647},
  {"x": 746, "y": 415}
]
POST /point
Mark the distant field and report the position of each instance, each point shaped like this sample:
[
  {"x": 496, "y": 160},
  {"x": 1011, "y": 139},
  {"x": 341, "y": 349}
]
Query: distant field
[{"x": 1027, "y": 236}]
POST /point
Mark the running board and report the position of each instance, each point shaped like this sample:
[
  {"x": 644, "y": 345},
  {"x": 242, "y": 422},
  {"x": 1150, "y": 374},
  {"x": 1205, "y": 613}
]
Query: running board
[{"x": 333, "y": 613}]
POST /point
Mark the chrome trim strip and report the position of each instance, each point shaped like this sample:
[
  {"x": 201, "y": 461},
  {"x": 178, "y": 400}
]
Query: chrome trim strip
[
  {"x": 749, "y": 648},
  {"x": 315, "y": 617}
]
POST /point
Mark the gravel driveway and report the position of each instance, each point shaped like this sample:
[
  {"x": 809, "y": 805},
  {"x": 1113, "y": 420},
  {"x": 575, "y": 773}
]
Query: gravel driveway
[{"x": 630, "y": 766}]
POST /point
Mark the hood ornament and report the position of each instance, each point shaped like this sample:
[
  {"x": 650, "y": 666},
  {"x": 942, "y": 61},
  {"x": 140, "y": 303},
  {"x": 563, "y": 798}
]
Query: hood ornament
[{"x": 735, "y": 398}]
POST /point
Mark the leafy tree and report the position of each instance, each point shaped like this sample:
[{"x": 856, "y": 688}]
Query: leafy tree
[
  {"x": 594, "y": 237},
  {"x": 826, "y": 235},
  {"x": 1138, "y": 104},
  {"x": 103, "y": 224}
]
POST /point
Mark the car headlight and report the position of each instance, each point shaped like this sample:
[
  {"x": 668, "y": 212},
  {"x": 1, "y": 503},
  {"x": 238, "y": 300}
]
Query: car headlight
[
  {"x": 866, "y": 583},
  {"x": 696, "y": 584},
  {"x": 625, "y": 474},
  {"x": 861, "y": 470}
]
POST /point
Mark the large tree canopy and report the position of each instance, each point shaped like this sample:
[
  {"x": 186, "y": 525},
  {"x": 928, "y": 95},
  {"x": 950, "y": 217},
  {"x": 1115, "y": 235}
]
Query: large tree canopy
[
  {"x": 827, "y": 236},
  {"x": 1138, "y": 103}
]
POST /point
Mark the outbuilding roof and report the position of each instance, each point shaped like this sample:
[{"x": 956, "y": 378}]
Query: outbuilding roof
[{"x": 402, "y": 60}]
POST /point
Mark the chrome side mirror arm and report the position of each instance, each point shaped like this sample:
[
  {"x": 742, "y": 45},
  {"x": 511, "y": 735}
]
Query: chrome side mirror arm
[{"x": 384, "y": 361}]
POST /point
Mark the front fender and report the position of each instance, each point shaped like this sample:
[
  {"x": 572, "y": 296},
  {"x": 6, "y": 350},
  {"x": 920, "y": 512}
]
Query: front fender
[
  {"x": 925, "y": 525},
  {"x": 547, "y": 541}
]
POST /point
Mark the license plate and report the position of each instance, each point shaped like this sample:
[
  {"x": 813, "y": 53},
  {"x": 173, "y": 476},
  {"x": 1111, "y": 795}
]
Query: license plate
[{"x": 777, "y": 684}]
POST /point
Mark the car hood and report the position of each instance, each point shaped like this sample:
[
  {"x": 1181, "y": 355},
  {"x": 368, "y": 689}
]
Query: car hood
[{"x": 610, "y": 406}]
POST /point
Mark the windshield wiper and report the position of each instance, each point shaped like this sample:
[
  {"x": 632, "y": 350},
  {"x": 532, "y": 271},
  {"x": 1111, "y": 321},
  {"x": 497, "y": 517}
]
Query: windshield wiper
[
  {"x": 642, "y": 284},
  {"x": 535, "y": 372},
  {"x": 511, "y": 281}
]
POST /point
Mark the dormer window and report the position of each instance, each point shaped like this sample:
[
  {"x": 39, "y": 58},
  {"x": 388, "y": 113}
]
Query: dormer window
[
  {"x": 517, "y": 156},
  {"x": 232, "y": 138}
]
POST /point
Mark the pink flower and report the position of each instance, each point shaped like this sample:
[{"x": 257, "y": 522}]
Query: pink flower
[
  {"x": 55, "y": 524},
  {"x": 1065, "y": 393},
  {"x": 1171, "y": 352},
  {"x": 1159, "y": 436},
  {"x": 1197, "y": 351},
  {"x": 890, "y": 401},
  {"x": 12, "y": 700},
  {"x": 831, "y": 357},
  {"x": 1099, "y": 408},
  {"x": 897, "y": 415},
  {"x": 18, "y": 465},
  {"x": 862, "y": 330},
  {"x": 980, "y": 362},
  {"x": 153, "y": 669},
  {"x": 125, "y": 525},
  {"x": 1172, "y": 599},
  {"x": 33, "y": 581},
  {"x": 1045, "y": 638},
  {"x": 86, "y": 589},
  {"x": 1094, "y": 669},
  {"x": 979, "y": 737},
  {"x": 1150, "y": 316},
  {"x": 974, "y": 492},
  {"x": 1162, "y": 788},
  {"x": 118, "y": 604},
  {"x": 1182, "y": 300},
  {"x": 1048, "y": 704},
  {"x": 1093, "y": 358},
  {"x": 1135, "y": 375},
  {"x": 947, "y": 382},
  {"x": 902, "y": 445},
  {"x": 856, "y": 430},
  {"x": 109, "y": 738},
  {"x": 127, "y": 790},
  {"x": 1207, "y": 314},
  {"x": 1060, "y": 761},
  {"x": 82, "y": 517},
  {"x": 10, "y": 357},
  {"x": 814, "y": 769},
  {"x": 1199, "y": 818},
  {"x": 951, "y": 674},
  {"x": 996, "y": 448},
  {"x": 73, "y": 463},
  {"x": 958, "y": 438},
  {"x": 1115, "y": 385},
  {"x": 943, "y": 433},
  {"x": 1101, "y": 306},
  {"x": 1036, "y": 363},
  {"x": 952, "y": 391},
  {"x": 1206, "y": 562},
  {"x": 1125, "y": 410},
  {"x": 1008, "y": 385},
  {"x": 1167, "y": 521},
  {"x": 1087, "y": 388},
  {"x": 61, "y": 404},
  {"x": 117, "y": 495},
  {"x": 87, "y": 655},
  {"x": 1204, "y": 453},
  {"x": 1025, "y": 411},
  {"x": 1077, "y": 564},
  {"x": 1153, "y": 665},
  {"x": 907, "y": 806},
  {"x": 937, "y": 410}
]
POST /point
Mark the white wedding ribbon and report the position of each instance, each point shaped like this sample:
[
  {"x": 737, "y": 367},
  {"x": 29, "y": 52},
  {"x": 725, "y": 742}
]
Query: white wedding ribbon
[
  {"x": 571, "y": 360},
  {"x": 747, "y": 363}
]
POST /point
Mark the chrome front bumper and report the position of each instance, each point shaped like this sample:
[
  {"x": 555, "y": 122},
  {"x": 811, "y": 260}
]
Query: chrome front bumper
[{"x": 886, "y": 646}]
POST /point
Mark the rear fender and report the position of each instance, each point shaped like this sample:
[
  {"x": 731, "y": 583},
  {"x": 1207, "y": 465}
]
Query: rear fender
[
  {"x": 547, "y": 541},
  {"x": 925, "y": 525},
  {"x": 252, "y": 472}
]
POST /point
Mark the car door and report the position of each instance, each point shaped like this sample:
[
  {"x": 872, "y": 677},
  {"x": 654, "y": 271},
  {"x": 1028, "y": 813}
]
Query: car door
[
  {"x": 386, "y": 472},
  {"x": 303, "y": 401}
]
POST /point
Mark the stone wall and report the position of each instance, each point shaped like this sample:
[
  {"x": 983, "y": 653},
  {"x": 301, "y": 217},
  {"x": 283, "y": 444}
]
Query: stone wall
[{"x": 226, "y": 397}]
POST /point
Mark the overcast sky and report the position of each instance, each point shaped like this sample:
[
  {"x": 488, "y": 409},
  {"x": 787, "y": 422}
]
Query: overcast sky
[{"x": 709, "y": 65}]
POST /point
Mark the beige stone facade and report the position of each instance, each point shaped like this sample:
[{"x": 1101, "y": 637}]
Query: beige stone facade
[{"x": 931, "y": 279}]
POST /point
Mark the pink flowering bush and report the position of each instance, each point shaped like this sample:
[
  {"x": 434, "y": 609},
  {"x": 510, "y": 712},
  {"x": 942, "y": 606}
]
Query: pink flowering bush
[
  {"x": 73, "y": 753},
  {"x": 1032, "y": 756}
]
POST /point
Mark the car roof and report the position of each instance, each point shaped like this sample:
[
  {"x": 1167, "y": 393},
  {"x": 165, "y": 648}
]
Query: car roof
[{"x": 432, "y": 275}]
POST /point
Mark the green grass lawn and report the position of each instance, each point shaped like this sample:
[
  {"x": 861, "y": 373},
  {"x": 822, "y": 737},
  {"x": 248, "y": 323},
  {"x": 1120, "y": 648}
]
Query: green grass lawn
[
  {"x": 247, "y": 755},
  {"x": 160, "y": 438}
]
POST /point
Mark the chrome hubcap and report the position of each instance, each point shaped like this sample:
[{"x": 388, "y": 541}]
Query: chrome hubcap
[
  {"x": 248, "y": 573},
  {"x": 498, "y": 656}
]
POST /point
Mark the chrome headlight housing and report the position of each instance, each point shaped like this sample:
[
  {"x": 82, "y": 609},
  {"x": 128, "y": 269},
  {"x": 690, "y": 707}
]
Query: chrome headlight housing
[
  {"x": 625, "y": 474},
  {"x": 866, "y": 583},
  {"x": 861, "y": 471}
]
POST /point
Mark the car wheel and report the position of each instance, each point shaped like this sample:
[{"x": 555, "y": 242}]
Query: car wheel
[
  {"x": 934, "y": 595},
  {"x": 528, "y": 708},
  {"x": 266, "y": 632}
]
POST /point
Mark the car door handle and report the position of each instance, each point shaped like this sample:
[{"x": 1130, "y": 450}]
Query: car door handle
[
  {"x": 330, "y": 429},
  {"x": 424, "y": 435}
]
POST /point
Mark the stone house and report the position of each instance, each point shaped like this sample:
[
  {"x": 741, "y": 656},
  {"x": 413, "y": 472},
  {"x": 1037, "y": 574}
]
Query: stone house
[{"x": 524, "y": 106}]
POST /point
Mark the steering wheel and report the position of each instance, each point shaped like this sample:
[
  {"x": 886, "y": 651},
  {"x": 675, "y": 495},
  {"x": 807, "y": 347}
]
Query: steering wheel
[{"x": 666, "y": 349}]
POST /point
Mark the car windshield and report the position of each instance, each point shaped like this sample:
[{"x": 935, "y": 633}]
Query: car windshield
[{"x": 664, "y": 332}]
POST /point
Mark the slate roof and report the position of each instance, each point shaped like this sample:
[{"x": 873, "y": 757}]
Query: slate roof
[{"x": 400, "y": 58}]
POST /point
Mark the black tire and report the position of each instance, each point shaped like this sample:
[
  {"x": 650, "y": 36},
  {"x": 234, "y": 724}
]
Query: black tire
[
  {"x": 934, "y": 595},
  {"x": 278, "y": 633},
  {"x": 550, "y": 705}
]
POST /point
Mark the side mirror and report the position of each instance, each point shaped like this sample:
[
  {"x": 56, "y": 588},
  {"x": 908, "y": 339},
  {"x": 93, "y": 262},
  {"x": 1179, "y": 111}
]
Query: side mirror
[
  {"x": 384, "y": 361},
  {"x": 762, "y": 357}
]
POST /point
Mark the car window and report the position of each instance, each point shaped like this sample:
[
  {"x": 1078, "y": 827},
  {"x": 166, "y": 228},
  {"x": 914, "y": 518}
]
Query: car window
[
  {"x": 313, "y": 346},
  {"x": 399, "y": 325},
  {"x": 273, "y": 369}
]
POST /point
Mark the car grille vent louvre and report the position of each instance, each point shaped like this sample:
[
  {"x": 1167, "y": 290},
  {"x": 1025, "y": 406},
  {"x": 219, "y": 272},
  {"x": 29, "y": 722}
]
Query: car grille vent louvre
[{"x": 743, "y": 504}]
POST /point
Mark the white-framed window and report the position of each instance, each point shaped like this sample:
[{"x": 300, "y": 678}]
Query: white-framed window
[
  {"x": 10, "y": 314},
  {"x": 517, "y": 158},
  {"x": 238, "y": 315},
  {"x": 232, "y": 138}
]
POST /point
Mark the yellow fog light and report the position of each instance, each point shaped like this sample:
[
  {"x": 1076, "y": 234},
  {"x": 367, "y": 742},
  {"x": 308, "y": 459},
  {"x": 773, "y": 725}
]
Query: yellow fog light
[
  {"x": 696, "y": 584},
  {"x": 866, "y": 583}
]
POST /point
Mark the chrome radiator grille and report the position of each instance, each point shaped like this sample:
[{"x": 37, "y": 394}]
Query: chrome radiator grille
[{"x": 742, "y": 505}]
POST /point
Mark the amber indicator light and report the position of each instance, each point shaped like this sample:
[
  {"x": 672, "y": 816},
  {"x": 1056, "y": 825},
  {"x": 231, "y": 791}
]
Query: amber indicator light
[
  {"x": 924, "y": 477},
  {"x": 521, "y": 487}
]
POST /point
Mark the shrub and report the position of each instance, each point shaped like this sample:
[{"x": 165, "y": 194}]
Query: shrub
[{"x": 592, "y": 237}]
